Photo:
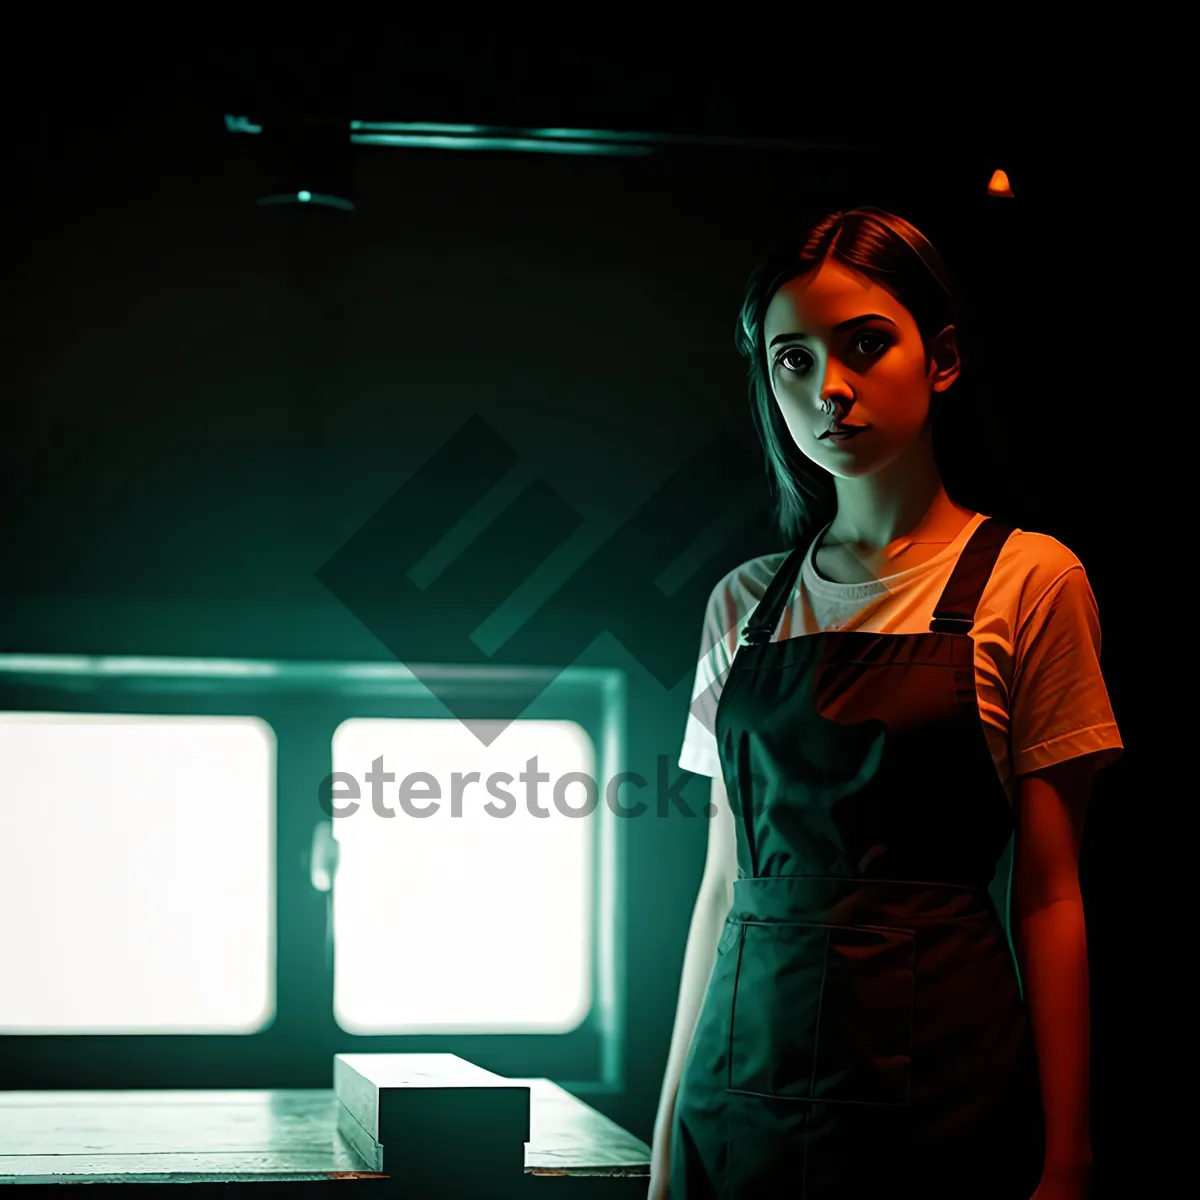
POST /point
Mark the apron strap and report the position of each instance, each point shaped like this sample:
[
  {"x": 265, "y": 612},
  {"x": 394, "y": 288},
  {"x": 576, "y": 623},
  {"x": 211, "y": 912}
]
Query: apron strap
[
  {"x": 953, "y": 613},
  {"x": 955, "y": 609},
  {"x": 770, "y": 608}
]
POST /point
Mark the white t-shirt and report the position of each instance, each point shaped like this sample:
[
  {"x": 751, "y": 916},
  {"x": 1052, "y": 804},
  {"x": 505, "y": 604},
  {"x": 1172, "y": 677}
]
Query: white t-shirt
[{"x": 1041, "y": 694}]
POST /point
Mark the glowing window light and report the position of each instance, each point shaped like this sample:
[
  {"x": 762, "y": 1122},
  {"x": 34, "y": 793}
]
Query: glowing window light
[
  {"x": 139, "y": 853},
  {"x": 471, "y": 922}
]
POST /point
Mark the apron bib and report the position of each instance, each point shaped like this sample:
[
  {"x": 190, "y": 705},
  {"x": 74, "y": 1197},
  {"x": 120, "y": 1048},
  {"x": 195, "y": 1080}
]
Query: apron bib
[{"x": 863, "y": 1032}]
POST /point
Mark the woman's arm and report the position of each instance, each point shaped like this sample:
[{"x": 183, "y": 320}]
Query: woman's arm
[
  {"x": 1051, "y": 945},
  {"x": 712, "y": 905}
]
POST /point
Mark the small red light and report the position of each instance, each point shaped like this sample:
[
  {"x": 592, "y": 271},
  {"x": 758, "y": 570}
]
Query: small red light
[{"x": 998, "y": 185}]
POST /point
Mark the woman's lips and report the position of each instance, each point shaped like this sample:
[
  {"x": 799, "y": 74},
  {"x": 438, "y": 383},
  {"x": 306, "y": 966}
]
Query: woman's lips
[{"x": 844, "y": 432}]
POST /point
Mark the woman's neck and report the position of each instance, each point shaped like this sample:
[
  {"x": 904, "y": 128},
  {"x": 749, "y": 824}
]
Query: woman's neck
[{"x": 906, "y": 499}]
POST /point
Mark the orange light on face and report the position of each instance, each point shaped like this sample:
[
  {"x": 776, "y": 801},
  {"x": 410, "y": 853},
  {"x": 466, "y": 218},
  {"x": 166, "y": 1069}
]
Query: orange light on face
[{"x": 998, "y": 185}]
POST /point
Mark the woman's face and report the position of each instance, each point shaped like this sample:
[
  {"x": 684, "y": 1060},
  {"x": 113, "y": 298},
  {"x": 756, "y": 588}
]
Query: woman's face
[{"x": 835, "y": 335}]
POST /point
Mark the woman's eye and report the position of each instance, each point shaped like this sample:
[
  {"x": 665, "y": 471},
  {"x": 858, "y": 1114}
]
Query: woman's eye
[
  {"x": 799, "y": 362},
  {"x": 879, "y": 341},
  {"x": 804, "y": 361}
]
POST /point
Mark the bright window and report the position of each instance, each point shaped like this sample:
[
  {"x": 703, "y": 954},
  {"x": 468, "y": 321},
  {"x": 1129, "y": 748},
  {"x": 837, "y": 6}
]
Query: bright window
[
  {"x": 137, "y": 872},
  {"x": 469, "y": 918}
]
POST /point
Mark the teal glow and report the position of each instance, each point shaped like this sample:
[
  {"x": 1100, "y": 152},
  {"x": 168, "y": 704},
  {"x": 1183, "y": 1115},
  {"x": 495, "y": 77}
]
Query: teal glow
[
  {"x": 552, "y": 139},
  {"x": 526, "y": 144},
  {"x": 21, "y": 664},
  {"x": 303, "y": 674},
  {"x": 414, "y": 127},
  {"x": 546, "y": 140},
  {"x": 318, "y": 198},
  {"x": 241, "y": 125},
  {"x": 606, "y": 135},
  {"x": 218, "y": 667},
  {"x": 52, "y": 664}
]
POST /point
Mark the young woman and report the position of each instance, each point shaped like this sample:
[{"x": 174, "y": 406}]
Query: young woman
[{"x": 880, "y": 707}]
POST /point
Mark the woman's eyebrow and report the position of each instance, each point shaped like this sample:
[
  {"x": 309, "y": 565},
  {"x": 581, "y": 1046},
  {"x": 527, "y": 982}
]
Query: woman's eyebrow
[{"x": 839, "y": 328}]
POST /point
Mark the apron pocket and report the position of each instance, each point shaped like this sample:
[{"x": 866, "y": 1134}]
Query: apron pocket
[
  {"x": 823, "y": 1012},
  {"x": 730, "y": 933}
]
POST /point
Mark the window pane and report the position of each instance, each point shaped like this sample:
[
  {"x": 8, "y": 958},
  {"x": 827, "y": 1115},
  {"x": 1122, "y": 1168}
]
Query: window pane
[
  {"x": 137, "y": 873},
  {"x": 463, "y": 919}
]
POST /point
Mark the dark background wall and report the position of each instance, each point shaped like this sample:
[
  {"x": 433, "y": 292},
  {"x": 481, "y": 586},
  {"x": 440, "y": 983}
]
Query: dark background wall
[{"x": 204, "y": 398}]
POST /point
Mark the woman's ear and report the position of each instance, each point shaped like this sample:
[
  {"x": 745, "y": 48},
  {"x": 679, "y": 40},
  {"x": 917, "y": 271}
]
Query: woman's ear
[{"x": 944, "y": 361}]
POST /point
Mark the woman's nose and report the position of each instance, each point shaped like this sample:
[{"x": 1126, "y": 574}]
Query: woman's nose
[{"x": 834, "y": 402}]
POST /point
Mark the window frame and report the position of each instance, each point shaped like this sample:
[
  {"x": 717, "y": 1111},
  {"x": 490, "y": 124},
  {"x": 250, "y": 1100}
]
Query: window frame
[{"x": 303, "y": 703}]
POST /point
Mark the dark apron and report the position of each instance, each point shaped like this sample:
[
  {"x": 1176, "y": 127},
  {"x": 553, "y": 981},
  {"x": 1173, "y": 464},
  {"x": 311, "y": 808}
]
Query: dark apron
[{"x": 863, "y": 1032}]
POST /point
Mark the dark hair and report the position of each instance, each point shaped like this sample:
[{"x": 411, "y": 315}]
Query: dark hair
[{"x": 895, "y": 255}]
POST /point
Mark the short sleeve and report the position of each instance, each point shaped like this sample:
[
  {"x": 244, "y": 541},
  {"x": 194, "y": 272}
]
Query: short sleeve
[
  {"x": 1060, "y": 707},
  {"x": 718, "y": 645}
]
